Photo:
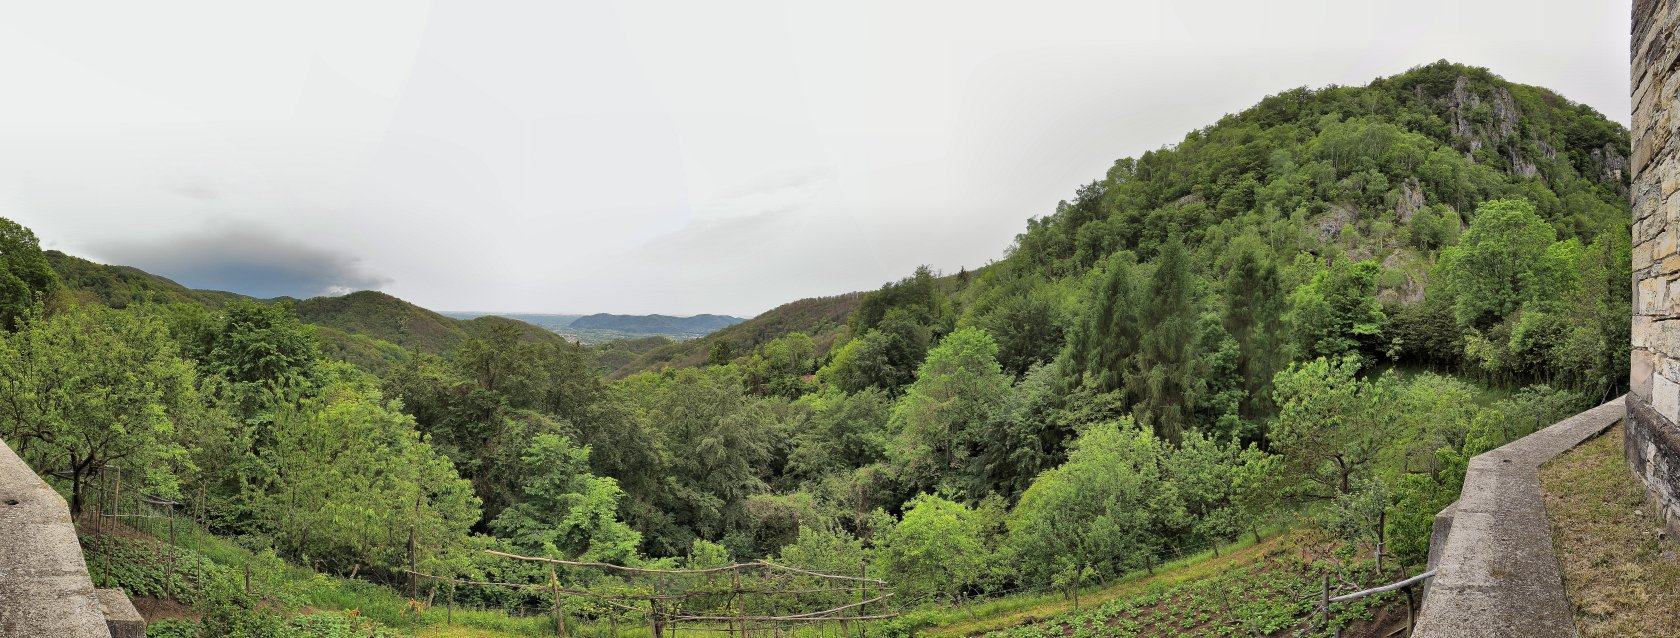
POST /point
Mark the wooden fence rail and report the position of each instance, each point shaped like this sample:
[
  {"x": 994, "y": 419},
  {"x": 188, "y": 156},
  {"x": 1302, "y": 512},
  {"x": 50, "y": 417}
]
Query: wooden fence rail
[{"x": 757, "y": 597}]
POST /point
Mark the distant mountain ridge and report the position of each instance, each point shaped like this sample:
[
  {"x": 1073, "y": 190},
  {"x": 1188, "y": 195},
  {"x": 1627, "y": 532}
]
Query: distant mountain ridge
[
  {"x": 655, "y": 324},
  {"x": 603, "y": 327},
  {"x": 824, "y": 318},
  {"x": 369, "y": 328}
]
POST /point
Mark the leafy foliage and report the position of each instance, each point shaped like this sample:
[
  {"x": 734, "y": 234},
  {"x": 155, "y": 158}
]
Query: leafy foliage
[{"x": 1210, "y": 336}]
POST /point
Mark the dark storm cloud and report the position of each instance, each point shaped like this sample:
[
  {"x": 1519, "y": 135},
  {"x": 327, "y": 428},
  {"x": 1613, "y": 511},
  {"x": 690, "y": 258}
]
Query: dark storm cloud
[{"x": 245, "y": 261}]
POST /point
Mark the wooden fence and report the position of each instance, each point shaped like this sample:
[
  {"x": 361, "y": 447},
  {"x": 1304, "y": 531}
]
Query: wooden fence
[{"x": 743, "y": 599}]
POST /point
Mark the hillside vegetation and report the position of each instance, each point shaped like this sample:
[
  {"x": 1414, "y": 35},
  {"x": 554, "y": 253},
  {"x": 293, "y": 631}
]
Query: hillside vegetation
[
  {"x": 1309, "y": 314},
  {"x": 371, "y": 329},
  {"x": 122, "y": 286},
  {"x": 821, "y": 317}
]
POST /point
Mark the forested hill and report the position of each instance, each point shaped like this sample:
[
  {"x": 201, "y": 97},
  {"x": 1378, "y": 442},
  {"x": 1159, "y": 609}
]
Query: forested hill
[
  {"x": 388, "y": 318},
  {"x": 1305, "y": 194},
  {"x": 820, "y": 317},
  {"x": 120, "y": 286},
  {"x": 368, "y": 328}
]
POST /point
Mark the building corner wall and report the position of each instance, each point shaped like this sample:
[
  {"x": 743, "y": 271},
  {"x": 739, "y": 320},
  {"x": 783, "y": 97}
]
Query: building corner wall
[{"x": 1652, "y": 439}]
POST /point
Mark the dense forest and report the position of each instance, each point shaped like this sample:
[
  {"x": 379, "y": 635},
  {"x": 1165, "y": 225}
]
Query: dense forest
[{"x": 1312, "y": 312}]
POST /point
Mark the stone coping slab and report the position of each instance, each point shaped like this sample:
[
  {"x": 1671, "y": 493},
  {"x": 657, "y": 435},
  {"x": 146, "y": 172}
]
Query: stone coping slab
[
  {"x": 44, "y": 584},
  {"x": 1496, "y": 574}
]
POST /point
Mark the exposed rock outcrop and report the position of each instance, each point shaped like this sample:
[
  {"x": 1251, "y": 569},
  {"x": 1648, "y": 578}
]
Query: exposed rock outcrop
[
  {"x": 1608, "y": 163},
  {"x": 1329, "y": 226},
  {"x": 1410, "y": 201},
  {"x": 1491, "y": 121}
]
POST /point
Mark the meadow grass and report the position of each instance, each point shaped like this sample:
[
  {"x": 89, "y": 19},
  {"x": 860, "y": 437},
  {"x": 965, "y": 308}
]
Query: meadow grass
[{"x": 1010, "y": 611}]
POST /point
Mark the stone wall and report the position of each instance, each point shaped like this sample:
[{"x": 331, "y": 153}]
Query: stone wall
[
  {"x": 1652, "y": 439},
  {"x": 44, "y": 584}
]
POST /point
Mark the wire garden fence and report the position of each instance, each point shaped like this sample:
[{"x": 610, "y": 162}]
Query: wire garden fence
[{"x": 757, "y": 598}]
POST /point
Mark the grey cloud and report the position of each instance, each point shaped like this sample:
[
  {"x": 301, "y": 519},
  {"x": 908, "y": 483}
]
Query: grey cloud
[{"x": 246, "y": 261}]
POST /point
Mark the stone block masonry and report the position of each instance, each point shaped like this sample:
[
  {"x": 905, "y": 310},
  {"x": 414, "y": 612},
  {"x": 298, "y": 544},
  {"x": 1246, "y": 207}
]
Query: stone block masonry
[{"x": 1652, "y": 439}]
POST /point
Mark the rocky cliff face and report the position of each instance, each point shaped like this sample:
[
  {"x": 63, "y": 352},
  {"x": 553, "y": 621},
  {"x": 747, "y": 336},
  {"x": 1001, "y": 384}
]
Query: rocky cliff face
[{"x": 1491, "y": 120}]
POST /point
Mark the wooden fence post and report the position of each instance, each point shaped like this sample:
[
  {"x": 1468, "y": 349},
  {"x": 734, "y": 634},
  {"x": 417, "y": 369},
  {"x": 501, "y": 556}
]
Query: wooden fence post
[
  {"x": 736, "y": 602},
  {"x": 653, "y": 607},
  {"x": 554, "y": 588},
  {"x": 167, "y": 586},
  {"x": 1324, "y": 601},
  {"x": 1408, "y": 612},
  {"x": 863, "y": 596}
]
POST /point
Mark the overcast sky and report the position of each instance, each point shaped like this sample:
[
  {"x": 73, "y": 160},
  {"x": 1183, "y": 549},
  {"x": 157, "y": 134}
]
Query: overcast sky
[{"x": 675, "y": 157}]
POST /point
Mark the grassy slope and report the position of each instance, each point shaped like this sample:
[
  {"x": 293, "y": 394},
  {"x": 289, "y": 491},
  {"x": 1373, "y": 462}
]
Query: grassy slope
[
  {"x": 1265, "y": 589},
  {"x": 1622, "y": 577},
  {"x": 1015, "y": 611},
  {"x": 132, "y": 562}
]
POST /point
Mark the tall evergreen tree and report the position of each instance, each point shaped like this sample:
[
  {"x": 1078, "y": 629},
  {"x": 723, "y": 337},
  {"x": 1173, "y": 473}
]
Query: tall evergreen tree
[
  {"x": 1253, "y": 316},
  {"x": 1162, "y": 383},
  {"x": 1108, "y": 337}
]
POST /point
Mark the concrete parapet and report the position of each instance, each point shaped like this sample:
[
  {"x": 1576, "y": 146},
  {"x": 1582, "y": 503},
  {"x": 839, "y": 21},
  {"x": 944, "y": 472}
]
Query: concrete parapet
[
  {"x": 121, "y": 619},
  {"x": 1496, "y": 572},
  {"x": 44, "y": 584}
]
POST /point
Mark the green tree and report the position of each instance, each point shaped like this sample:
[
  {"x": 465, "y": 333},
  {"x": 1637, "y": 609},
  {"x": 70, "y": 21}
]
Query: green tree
[
  {"x": 1253, "y": 317},
  {"x": 25, "y": 275},
  {"x": 348, "y": 481},
  {"x": 1329, "y": 428},
  {"x": 564, "y": 511},
  {"x": 258, "y": 356},
  {"x": 91, "y": 388},
  {"x": 1027, "y": 324},
  {"x": 720, "y": 443},
  {"x": 840, "y": 432},
  {"x": 1108, "y": 338},
  {"x": 720, "y": 353},
  {"x": 935, "y": 550},
  {"x": 1502, "y": 263},
  {"x": 918, "y": 296},
  {"x": 779, "y": 367},
  {"x": 1221, "y": 485},
  {"x": 884, "y": 357},
  {"x": 1027, "y": 432},
  {"x": 1162, "y": 380},
  {"x": 1099, "y": 514},
  {"x": 1337, "y": 314},
  {"x": 938, "y": 422}
]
